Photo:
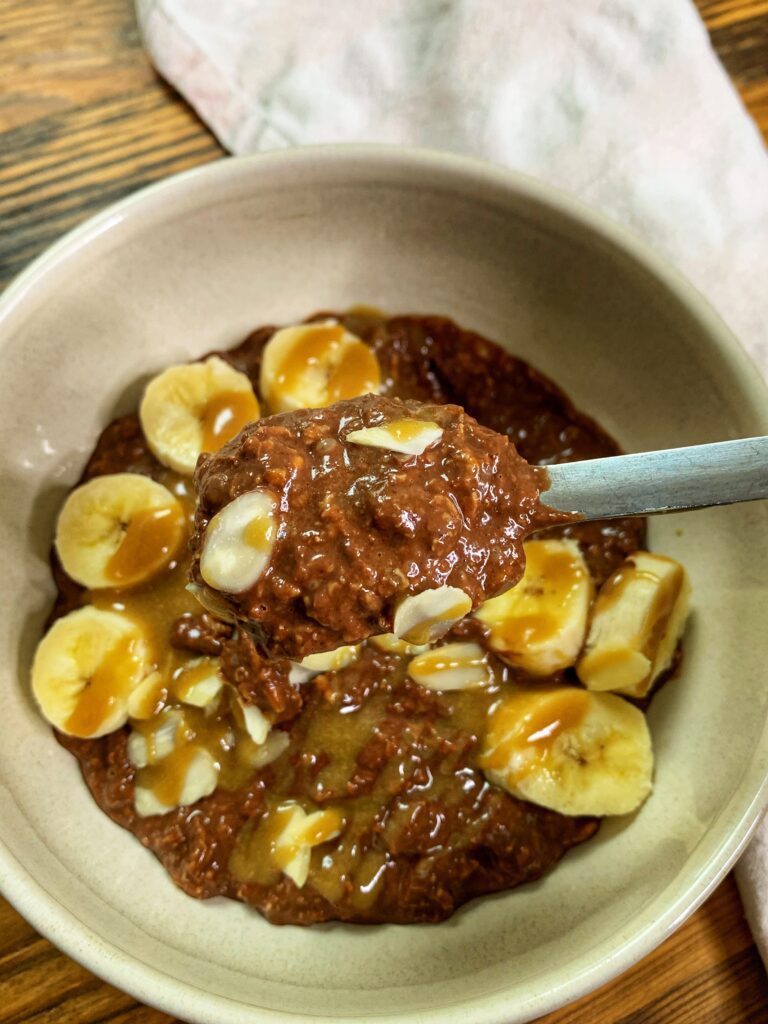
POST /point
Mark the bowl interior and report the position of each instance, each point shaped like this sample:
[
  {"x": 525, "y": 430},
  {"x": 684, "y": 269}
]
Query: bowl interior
[{"x": 197, "y": 264}]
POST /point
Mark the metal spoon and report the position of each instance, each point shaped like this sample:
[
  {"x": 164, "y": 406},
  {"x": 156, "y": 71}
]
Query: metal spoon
[{"x": 667, "y": 481}]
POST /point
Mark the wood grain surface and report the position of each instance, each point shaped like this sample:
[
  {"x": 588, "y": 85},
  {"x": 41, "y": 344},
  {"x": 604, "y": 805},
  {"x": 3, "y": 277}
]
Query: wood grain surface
[{"x": 84, "y": 121}]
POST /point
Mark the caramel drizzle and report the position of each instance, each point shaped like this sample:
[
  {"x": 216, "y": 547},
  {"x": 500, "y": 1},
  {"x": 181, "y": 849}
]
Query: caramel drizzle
[
  {"x": 513, "y": 730},
  {"x": 153, "y": 698},
  {"x": 406, "y": 430},
  {"x": 187, "y": 678},
  {"x": 422, "y": 633},
  {"x": 320, "y": 829},
  {"x": 217, "y": 729},
  {"x": 167, "y": 778},
  {"x": 354, "y": 372},
  {"x": 213, "y": 730},
  {"x": 224, "y": 417},
  {"x": 109, "y": 684},
  {"x": 263, "y": 849},
  {"x": 151, "y": 539},
  {"x": 438, "y": 661},
  {"x": 658, "y": 615},
  {"x": 153, "y": 606},
  {"x": 260, "y": 533}
]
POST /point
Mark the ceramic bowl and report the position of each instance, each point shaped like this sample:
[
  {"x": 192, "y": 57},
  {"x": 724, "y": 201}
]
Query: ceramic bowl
[{"x": 195, "y": 263}]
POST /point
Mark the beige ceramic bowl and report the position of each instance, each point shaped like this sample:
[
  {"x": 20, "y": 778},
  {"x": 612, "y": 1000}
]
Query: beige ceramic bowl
[{"x": 196, "y": 263}]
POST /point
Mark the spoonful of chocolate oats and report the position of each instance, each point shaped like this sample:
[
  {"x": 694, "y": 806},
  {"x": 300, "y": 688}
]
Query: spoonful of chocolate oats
[
  {"x": 318, "y": 528},
  {"x": 323, "y": 527}
]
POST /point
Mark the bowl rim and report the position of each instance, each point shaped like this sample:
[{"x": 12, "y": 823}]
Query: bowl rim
[{"x": 164, "y": 991}]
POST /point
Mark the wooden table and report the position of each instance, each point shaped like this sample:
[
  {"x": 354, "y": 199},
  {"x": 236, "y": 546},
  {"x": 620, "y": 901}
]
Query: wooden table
[{"x": 84, "y": 121}]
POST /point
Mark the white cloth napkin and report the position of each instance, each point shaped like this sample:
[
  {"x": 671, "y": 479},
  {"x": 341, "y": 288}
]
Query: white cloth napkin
[{"x": 619, "y": 101}]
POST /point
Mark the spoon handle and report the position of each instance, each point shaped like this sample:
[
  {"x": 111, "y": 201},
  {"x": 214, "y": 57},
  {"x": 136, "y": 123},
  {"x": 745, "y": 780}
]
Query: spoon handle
[{"x": 666, "y": 481}]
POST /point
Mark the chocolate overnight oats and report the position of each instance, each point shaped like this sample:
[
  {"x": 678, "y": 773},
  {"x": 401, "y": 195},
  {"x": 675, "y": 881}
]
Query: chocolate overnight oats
[
  {"x": 322, "y": 775},
  {"x": 368, "y": 516}
]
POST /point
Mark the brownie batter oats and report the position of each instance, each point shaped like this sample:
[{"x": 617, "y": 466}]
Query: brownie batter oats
[
  {"x": 364, "y": 512},
  {"x": 390, "y": 778}
]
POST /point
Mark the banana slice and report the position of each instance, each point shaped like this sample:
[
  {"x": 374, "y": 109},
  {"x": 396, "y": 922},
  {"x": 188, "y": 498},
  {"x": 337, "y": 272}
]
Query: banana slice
[
  {"x": 638, "y": 618},
  {"x": 239, "y": 541},
  {"x": 575, "y": 752},
  {"x": 295, "y": 834},
  {"x": 391, "y": 644},
  {"x": 539, "y": 625},
  {"x": 406, "y": 437},
  {"x": 452, "y": 667},
  {"x": 425, "y": 617},
  {"x": 118, "y": 530},
  {"x": 325, "y": 661},
  {"x": 313, "y": 365},
  {"x": 194, "y": 408},
  {"x": 85, "y": 668}
]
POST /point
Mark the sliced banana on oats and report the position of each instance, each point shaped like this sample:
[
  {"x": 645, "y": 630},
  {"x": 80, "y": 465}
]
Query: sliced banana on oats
[
  {"x": 118, "y": 530},
  {"x": 458, "y": 666},
  {"x": 425, "y": 617},
  {"x": 325, "y": 661},
  {"x": 406, "y": 437},
  {"x": 309, "y": 366},
  {"x": 194, "y": 408},
  {"x": 539, "y": 625},
  {"x": 637, "y": 620},
  {"x": 391, "y": 644},
  {"x": 296, "y": 833},
  {"x": 239, "y": 541},
  {"x": 576, "y": 752},
  {"x": 86, "y": 667}
]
